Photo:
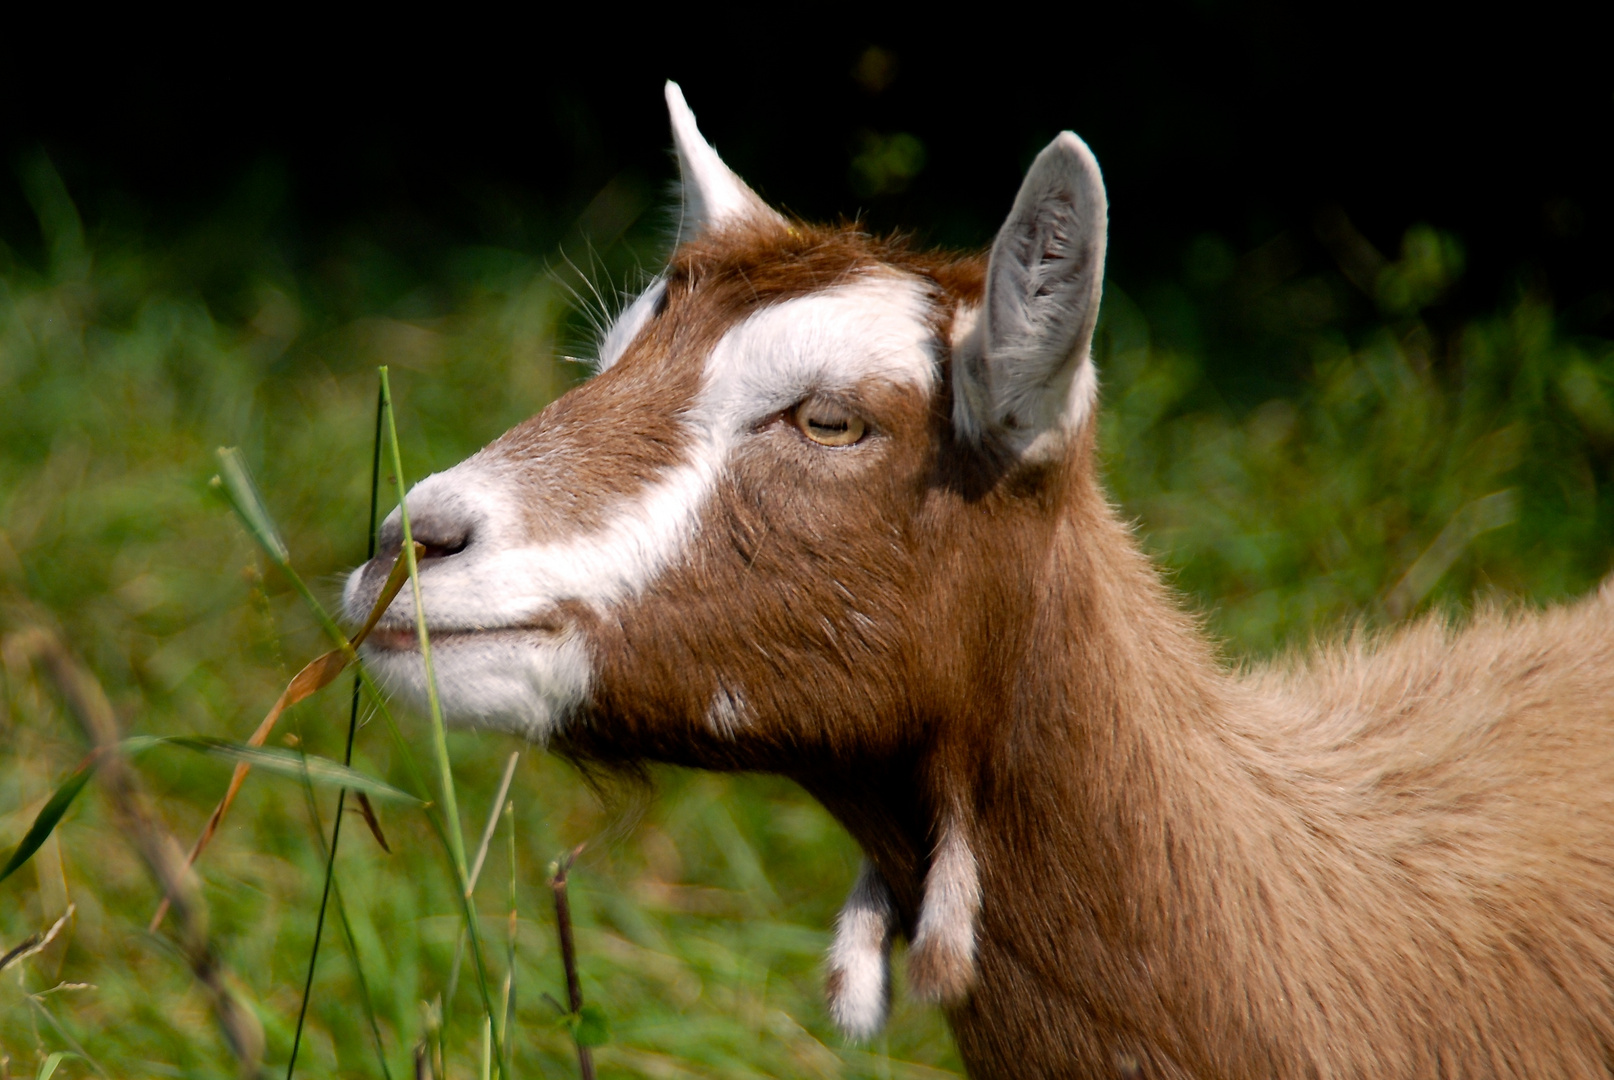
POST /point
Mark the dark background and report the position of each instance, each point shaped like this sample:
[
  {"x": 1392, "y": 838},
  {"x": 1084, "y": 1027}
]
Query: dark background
[{"x": 1242, "y": 122}]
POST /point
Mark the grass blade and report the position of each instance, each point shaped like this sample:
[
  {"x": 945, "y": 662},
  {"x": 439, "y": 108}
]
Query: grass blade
[
  {"x": 315, "y": 675},
  {"x": 435, "y": 707},
  {"x": 444, "y": 819},
  {"x": 48, "y": 1067},
  {"x": 587, "y": 1023},
  {"x": 319, "y": 770},
  {"x": 449, "y": 821},
  {"x": 367, "y": 812},
  {"x": 493, "y": 819},
  {"x": 333, "y": 890},
  {"x": 238, "y": 491},
  {"x": 237, "y": 485},
  {"x": 37, "y": 942},
  {"x": 341, "y": 797},
  {"x": 49, "y": 816},
  {"x": 507, "y": 1009}
]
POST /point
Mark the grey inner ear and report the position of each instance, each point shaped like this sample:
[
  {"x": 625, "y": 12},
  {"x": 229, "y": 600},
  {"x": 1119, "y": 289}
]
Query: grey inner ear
[
  {"x": 1042, "y": 267},
  {"x": 1043, "y": 285}
]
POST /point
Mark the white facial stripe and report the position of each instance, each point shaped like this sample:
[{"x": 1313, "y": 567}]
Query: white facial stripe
[
  {"x": 497, "y": 583},
  {"x": 629, "y": 323},
  {"x": 874, "y": 328}
]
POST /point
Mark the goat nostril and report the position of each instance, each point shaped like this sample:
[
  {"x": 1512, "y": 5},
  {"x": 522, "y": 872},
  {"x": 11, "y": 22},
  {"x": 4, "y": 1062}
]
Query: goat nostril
[{"x": 443, "y": 550}]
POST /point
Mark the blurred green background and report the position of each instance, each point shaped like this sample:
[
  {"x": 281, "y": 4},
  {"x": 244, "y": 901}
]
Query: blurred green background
[{"x": 1356, "y": 359}]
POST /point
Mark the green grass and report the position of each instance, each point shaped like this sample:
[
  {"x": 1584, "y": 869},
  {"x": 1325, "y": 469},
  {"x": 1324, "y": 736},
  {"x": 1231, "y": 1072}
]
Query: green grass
[{"x": 1406, "y": 469}]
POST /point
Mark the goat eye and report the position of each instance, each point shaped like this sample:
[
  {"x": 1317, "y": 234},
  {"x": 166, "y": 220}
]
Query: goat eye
[{"x": 828, "y": 424}]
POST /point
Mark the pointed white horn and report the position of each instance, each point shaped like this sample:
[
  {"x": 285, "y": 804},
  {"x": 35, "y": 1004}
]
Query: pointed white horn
[{"x": 713, "y": 195}]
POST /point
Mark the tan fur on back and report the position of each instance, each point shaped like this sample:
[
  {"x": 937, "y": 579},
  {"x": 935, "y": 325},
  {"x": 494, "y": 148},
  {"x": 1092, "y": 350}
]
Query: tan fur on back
[{"x": 1388, "y": 858}]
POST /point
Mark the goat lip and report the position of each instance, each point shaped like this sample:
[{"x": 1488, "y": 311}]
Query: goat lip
[
  {"x": 404, "y": 639},
  {"x": 407, "y": 639},
  {"x": 392, "y": 640}
]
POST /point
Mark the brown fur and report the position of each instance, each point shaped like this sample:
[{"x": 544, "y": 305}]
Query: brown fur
[{"x": 1393, "y": 858}]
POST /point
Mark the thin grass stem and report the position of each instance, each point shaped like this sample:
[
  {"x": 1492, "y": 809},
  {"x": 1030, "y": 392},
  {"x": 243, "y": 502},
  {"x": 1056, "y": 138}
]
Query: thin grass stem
[
  {"x": 341, "y": 803},
  {"x": 366, "y": 1001},
  {"x": 509, "y": 1004},
  {"x": 448, "y": 821},
  {"x": 253, "y": 514},
  {"x": 493, "y": 818},
  {"x": 476, "y": 868},
  {"x": 64, "y": 1034},
  {"x": 434, "y": 706},
  {"x": 258, "y": 523},
  {"x": 568, "y": 955},
  {"x": 256, "y": 517}
]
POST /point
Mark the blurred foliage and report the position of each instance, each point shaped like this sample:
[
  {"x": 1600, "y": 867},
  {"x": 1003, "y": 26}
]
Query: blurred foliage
[
  {"x": 1406, "y": 465},
  {"x": 1409, "y": 465}
]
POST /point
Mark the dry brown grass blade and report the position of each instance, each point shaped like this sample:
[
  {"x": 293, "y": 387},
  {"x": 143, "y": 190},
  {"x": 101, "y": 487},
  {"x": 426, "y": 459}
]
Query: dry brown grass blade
[
  {"x": 315, "y": 676},
  {"x": 36, "y": 942},
  {"x": 89, "y": 705},
  {"x": 367, "y": 812},
  {"x": 395, "y": 581},
  {"x": 568, "y": 952}
]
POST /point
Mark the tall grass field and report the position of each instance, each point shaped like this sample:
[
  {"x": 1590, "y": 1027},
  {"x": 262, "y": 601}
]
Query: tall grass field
[{"x": 1408, "y": 467}]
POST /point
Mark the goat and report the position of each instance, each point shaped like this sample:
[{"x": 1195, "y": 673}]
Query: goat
[{"x": 830, "y": 509}]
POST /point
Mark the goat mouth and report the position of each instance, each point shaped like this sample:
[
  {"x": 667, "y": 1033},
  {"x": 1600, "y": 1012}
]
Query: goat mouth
[
  {"x": 407, "y": 639},
  {"x": 392, "y": 640}
]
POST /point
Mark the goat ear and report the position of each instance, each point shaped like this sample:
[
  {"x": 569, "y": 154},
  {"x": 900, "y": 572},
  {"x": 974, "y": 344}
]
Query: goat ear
[
  {"x": 1024, "y": 372},
  {"x": 712, "y": 195}
]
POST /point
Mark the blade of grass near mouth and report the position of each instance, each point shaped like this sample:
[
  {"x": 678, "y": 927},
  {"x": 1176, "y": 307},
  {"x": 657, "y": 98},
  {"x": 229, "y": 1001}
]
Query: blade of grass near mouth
[
  {"x": 435, "y": 706},
  {"x": 238, "y": 493},
  {"x": 237, "y": 486},
  {"x": 315, "y": 676},
  {"x": 449, "y": 820},
  {"x": 319, "y": 770}
]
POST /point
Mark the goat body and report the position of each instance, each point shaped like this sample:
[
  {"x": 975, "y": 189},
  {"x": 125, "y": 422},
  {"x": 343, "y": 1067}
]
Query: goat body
[{"x": 830, "y": 509}]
